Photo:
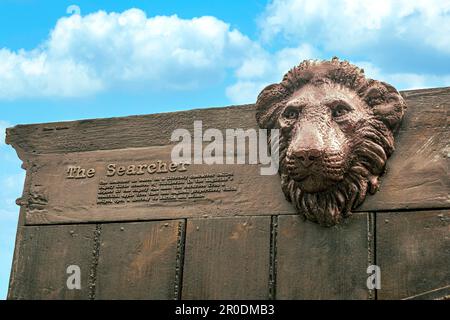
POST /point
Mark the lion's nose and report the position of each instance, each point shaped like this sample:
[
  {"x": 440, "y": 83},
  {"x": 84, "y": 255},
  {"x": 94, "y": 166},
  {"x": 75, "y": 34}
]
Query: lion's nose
[{"x": 307, "y": 156}]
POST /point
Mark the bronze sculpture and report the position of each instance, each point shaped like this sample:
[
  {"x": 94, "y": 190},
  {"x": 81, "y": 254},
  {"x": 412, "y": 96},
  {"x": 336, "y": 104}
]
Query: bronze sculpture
[{"x": 336, "y": 133}]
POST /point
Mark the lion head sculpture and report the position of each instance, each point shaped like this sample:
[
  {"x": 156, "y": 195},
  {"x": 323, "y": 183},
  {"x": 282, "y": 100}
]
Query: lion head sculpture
[{"x": 336, "y": 133}]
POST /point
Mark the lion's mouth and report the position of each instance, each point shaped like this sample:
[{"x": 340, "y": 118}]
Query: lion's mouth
[
  {"x": 316, "y": 178},
  {"x": 299, "y": 176}
]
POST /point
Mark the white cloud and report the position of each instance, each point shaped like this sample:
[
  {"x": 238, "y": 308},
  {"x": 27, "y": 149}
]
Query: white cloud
[
  {"x": 255, "y": 74},
  {"x": 243, "y": 92},
  {"x": 31, "y": 74},
  {"x": 85, "y": 55},
  {"x": 349, "y": 24},
  {"x": 258, "y": 71},
  {"x": 372, "y": 29},
  {"x": 403, "y": 80},
  {"x": 102, "y": 51}
]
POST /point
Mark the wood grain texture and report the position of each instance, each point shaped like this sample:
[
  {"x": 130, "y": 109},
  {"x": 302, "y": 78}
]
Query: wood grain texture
[
  {"x": 314, "y": 262},
  {"x": 417, "y": 172},
  {"x": 124, "y": 132},
  {"x": 239, "y": 257},
  {"x": 138, "y": 260},
  {"x": 227, "y": 258},
  {"x": 413, "y": 252},
  {"x": 416, "y": 175},
  {"x": 81, "y": 203},
  {"x": 426, "y": 108},
  {"x": 42, "y": 257}
]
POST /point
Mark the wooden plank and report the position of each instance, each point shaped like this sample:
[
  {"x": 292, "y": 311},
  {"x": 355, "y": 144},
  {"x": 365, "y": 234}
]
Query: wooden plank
[
  {"x": 134, "y": 131},
  {"x": 42, "y": 257},
  {"x": 78, "y": 200},
  {"x": 123, "y": 132},
  {"x": 426, "y": 108},
  {"x": 413, "y": 252},
  {"x": 416, "y": 175},
  {"x": 139, "y": 260},
  {"x": 227, "y": 258},
  {"x": 416, "y": 178},
  {"x": 417, "y": 172},
  {"x": 314, "y": 262}
]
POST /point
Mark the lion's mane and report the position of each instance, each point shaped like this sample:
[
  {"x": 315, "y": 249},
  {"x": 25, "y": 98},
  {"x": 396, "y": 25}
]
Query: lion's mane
[{"x": 371, "y": 144}]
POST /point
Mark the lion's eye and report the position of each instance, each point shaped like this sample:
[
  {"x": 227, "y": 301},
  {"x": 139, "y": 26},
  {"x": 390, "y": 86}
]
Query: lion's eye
[
  {"x": 339, "y": 111},
  {"x": 290, "y": 114}
]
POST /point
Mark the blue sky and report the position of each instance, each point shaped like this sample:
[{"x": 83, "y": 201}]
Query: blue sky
[{"x": 120, "y": 58}]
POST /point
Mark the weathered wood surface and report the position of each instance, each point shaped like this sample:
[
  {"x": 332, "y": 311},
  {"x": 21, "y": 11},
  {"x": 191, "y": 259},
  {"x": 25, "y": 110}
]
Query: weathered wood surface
[
  {"x": 72, "y": 200},
  {"x": 124, "y": 132},
  {"x": 227, "y": 258},
  {"x": 238, "y": 256},
  {"x": 417, "y": 172},
  {"x": 413, "y": 252},
  {"x": 43, "y": 255},
  {"x": 426, "y": 108},
  {"x": 139, "y": 260},
  {"x": 318, "y": 263},
  {"x": 416, "y": 178}
]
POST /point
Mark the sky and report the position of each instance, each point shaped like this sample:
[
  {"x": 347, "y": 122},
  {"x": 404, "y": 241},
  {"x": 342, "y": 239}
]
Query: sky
[{"x": 70, "y": 60}]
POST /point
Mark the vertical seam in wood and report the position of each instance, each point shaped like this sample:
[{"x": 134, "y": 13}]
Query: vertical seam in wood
[
  {"x": 94, "y": 261},
  {"x": 179, "y": 263},
  {"x": 273, "y": 257},
  {"x": 371, "y": 256},
  {"x": 374, "y": 221}
]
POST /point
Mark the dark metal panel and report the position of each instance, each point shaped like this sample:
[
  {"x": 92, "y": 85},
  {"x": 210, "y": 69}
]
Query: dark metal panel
[
  {"x": 314, "y": 262},
  {"x": 42, "y": 259},
  {"x": 413, "y": 252},
  {"x": 139, "y": 260},
  {"x": 227, "y": 258}
]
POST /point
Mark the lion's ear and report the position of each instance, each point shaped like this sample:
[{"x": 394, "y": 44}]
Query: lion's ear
[
  {"x": 267, "y": 105},
  {"x": 386, "y": 103}
]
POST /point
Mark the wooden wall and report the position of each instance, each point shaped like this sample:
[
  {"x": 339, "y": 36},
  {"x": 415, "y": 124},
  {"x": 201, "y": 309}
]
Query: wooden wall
[{"x": 404, "y": 228}]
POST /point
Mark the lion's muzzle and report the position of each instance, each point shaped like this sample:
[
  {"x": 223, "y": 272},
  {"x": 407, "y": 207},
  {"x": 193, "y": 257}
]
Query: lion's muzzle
[{"x": 315, "y": 157}]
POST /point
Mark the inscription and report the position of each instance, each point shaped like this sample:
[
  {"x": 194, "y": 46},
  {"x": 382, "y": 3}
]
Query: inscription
[
  {"x": 75, "y": 172},
  {"x": 164, "y": 189},
  {"x": 191, "y": 191},
  {"x": 141, "y": 169},
  {"x": 113, "y": 169}
]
